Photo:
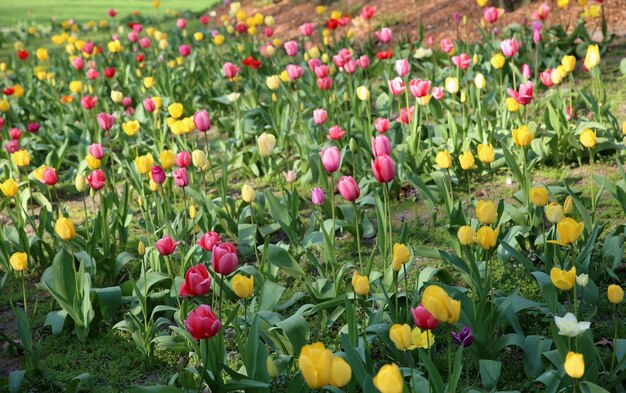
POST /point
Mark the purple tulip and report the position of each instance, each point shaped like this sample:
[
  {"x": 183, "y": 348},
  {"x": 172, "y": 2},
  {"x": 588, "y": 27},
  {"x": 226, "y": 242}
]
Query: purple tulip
[{"x": 463, "y": 337}]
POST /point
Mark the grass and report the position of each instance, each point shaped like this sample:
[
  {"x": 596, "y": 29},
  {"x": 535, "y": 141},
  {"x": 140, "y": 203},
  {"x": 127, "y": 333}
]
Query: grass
[{"x": 39, "y": 11}]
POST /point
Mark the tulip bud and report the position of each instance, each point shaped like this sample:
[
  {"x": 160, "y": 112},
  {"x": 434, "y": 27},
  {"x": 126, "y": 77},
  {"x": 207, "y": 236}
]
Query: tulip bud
[
  {"x": 198, "y": 158},
  {"x": 80, "y": 183},
  {"x": 466, "y": 235},
  {"x": 141, "y": 248},
  {"x": 271, "y": 367},
  {"x": 266, "y": 144},
  {"x": 140, "y": 201},
  {"x": 568, "y": 206},
  {"x": 363, "y": 93},
  {"x": 353, "y": 145},
  {"x": 582, "y": 280},
  {"x": 248, "y": 193},
  {"x": 193, "y": 212},
  {"x": 480, "y": 81},
  {"x": 615, "y": 294}
]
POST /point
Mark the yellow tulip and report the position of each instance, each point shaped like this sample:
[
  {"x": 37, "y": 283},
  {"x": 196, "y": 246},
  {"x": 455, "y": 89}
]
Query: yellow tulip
[
  {"x": 452, "y": 85},
  {"x": 479, "y": 81},
  {"x": 512, "y": 105},
  {"x": 522, "y": 136},
  {"x": 193, "y": 212},
  {"x": 198, "y": 36},
  {"x": 568, "y": 205},
  {"x": 437, "y": 301},
  {"x": 389, "y": 379},
  {"x": 266, "y": 143},
  {"x": 42, "y": 54},
  {"x": 562, "y": 3},
  {"x": 272, "y": 82},
  {"x": 615, "y": 294},
  {"x": 148, "y": 82},
  {"x": 167, "y": 159},
  {"x": 574, "y": 365},
  {"x": 218, "y": 40},
  {"x": 569, "y": 230},
  {"x": 486, "y": 237},
  {"x": 130, "y": 127},
  {"x": 76, "y": 86},
  {"x": 198, "y": 158},
  {"x": 316, "y": 364},
  {"x": 486, "y": 154},
  {"x": 497, "y": 61},
  {"x": 4, "y": 105},
  {"x": 466, "y": 235},
  {"x": 248, "y": 193},
  {"x": 588, "y": 138},
  {"x": 64, "y": 227},
  {"x": 422, "y": 339},
  {"x": 538, "y": 196},
  {"x": 360, "y": 284},
  {"x": 482, "y": 3},
  {"x": 93, "y": 162},
  {"x": 341, "y": 372},
  {"x": 144, "y": 163},
  {"x": 592, "y": 58},
  {"x": 9, "y": 188},
  {"x": 467, "y": 160},
  {"x": 271, "y": 367},
  {"x": 363, "y": 93},
  {"x": 175, "y": 110},
  {"x": 486, "y": 212},
  {"x": 242, "y": 286},
  {"x": 563, "y": 279},
  {"x": 21, "y": 158},
  {"x": 554, "y": 212},
  {"x": 401, "y": 256},
  {"x": 114, "y": 46},
  {"x": 443, "y": 159},
  {"x": 80, "y": 183},
  {"x": 569, "y": 63},
  {"x": 400, "y": 335},
  {"x": 19, "y": 261},
  {"x": 116, "y": 96}
]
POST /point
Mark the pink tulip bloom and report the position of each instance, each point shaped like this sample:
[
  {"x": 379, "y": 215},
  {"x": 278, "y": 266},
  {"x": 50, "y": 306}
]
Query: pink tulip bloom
[
  {"x": 294, "y": 71},
  {"x": 314, "y": 63},
  {"x": 166, "y": 246},
  {"x": 183, "y": 159},
  {"x": 342, "y": 57},
  {"x": 396, "y": 86},
  {"x": 12, "y": 146},
  {"x": 317, "y": 196},
  {"x": 324, "y": 83},
  {"x": 204, "y": 19},
  {"x": 96, "y": 179},
  {"x": 133, "y": 36},
  {"x": 307, "y": 29},
  {"x": 542, "y": 12},
  {"x": 335, "y": 133},
  {"x": 331, "y": 159},
  {"x": 96, "y": 150},
  {"x": 202, "y": 120},
  {"x": 509, "y": 47},
  {"x": 15, "y": 133},
  {"x": 462, "y": 61},
  {"x": 149, "y": 105},
  {"x": 368, "y": 12},
  {"x": 438, "y": 93},
  {"x": 202, "y": 323},
  {"x": 158, "y": 174},
  {"x": 406, "y": 115},
  {"x": 230, "y": 70},
  {"x": 78, "y": 63},
  {"x": 380, "y": 145},
  {"x": 402, "y": 67},
  {"x": 197, "y": 281},
  {"x": 525, "y": 94},
  {"x": 208, "y": 241},
  {"x": 348, "y": 188},
  {"x": 419, "y": 88},
  {"x": 291, "y": 48},
  {"x": 92, "y": 74},
  {"x": 526, "y": 71},
  {"x": 546, "y": 78},
  {"x": 446, "y": 45},
  {"x": 350, "y": 67},
  {"x": 88, "y": 47},
  {"x": 181, "y": 23},
  {"x": 319, "y": 116},
  {"x": 105, "y": 121},
  {"x": 181, "y": 177},
  {"x": 384, "y": 35},
  {"x": 383, "y": 168},
  {"x": 491, "y": 15},
  {"x": 224, "y": 258},
  {"x": 112, "y": 12},
  {"x": 423, "y": 318},
  {"x": 49, "y": 177},
  {"x": 184, "y": 50},
  {"x": 382, "y": 124},
  {"x": 321, "y": 71},
  {"x": 144, "y": 42}
]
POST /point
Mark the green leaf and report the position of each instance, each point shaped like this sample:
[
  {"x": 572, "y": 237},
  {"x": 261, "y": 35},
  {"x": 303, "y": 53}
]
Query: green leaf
[
  {"x": 56, "y": 320},
  {"x": 155, "y": 389},
  {"x": 109, "y": 299},
  {"x": 490, "y": 373},
  {"x": 281, "y": 258},
  {"x": 83, "y": 380},
  {"x": 15, "y": 381}
]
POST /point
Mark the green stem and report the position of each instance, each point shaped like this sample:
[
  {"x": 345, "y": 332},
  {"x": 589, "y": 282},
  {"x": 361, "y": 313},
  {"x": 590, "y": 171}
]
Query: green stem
[{"x": 358, "y": 236}]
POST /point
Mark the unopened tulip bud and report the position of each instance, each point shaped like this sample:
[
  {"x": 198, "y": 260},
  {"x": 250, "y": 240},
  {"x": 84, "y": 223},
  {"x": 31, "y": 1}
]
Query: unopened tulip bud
[
  {"x": 248, "y": 193},
  {"x": 568, "y": 206},
  {"x": 193, "y": 212},
  {"x": 582, "y": 280},
  {"x": 141, "y": 248},
  {"x": 80, "y": 183},
  {"x": 353, "y": 145}
]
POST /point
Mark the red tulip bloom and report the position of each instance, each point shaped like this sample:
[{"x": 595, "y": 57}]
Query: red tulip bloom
[
  {"x": 384, "y": 54},
  {"x": 8, "y": 91},
  {"x": 332, "y": 24},
  {"x": 335, "y": 133},
  {"x": 96, "y": 179},
  {"x": 166, "y": 246},
  {"x": 32, "y": 127},
  {"x": 251, "y": 62},
  {"x": 525, "y": 94},
  {"x": 423, "y": 318},
  {"x": 202, "y": 322},
  {"x": 383, "y": 168},
  {"x": 15, "y": 133},
  {"x": 49, "y": 177},
  {"x": 88, "y": 102},
  {"x": 109, "y": 72},
  {"x": 208, "y": 241},
  {"x": 197, "y": 282},
  {"x": 224, "y": 258},
  {"x": 368, "y": 12},
  {"x": 22, "y": 54}
]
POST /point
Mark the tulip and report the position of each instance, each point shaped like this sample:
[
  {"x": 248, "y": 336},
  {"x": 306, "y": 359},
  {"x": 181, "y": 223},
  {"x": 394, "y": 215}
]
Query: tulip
[
  {"x": 291, "y": 48},
  {"x": 208, "y": 241},
  {"x": 569, "y": 326},
  {"x": 423, "y": 318},
  {"x": 466, "y": 235},
  {"x": 522, "y": 136},
  {"x": 184, "y": 50},
  {"x": 149, "y": 105},
  {"x": 588, "y": 138},
  {"x": 402, "y": 67},
  {"x": 389, "y": 379},
  {"x": 384, "y": 35},
  {"x": 447, "y": 46},
  {"x": 88, "y": 102},
  {"x": 294, "y": 72},
  {"x": 437, "y": 301},
  {"x": 400, "y": 335},
  {"x": 582, "y": 280},
  {"x": 15, "y": 133},
  {"x": 96, "y": 179},
  {"x": 266, "y": 143},
  {"x": 569, "y": 230},
  {"x": 396, "y": 86},
  {"x": 116, "y": 96},
  {"x": 50, "y": 177},
  {"x": 272, "y": 82},
  {"x": 19, "y": 261},
  {"x": 554, "y": 212},
  {"x": 175, "y": 110},
  {"x": 462, "y": 61},
  {"x": 224, "y": 258},
  {"x": 568, "y": 205},
  {"x": 348, "y": 188},
  {"x": 319, "y": 116},
  {"x": 202, "y": 322},
  {"x": 105, "y": 121},
  {"x": 316, "y": 364},
  {"x": 525, "y": 94},
  {"x": 526, "y": 71},
  {"x": 183, "y": 159},
  {"x": 166, "y": 246},
  {"x": 360, "y": 284},
  {"x": 247, "y": 193},
  {"x": 574, "y": 365},
  {"x": 271, "y": 367},
  {"x": 197, "y": 282},
  {"x": 230, "y": 70},
  {"x": 96, "y": 150},
  {"x": 592, "y": 57},
  {"x": 64, "y": 227},
  {"x": 383, "y": 168},
  {"x": 563, "y": 279},
  {"x": 452, "y": 85},
  {"x": 463, "y": 337},
  {"x": 382, "y": 125},
  {"x": 158, "y": 174},
  {"x": 21, "y": 158},
  {"x": 363, "y": 93},
  {"x": 491, "y": 14},
  {"x": 422, "y": 338},
  {"x": 9, "y": 188},
  {"x": 615, "y": 293},
  {"x": 202, "y": 121},
  {"x": 509, "y": 47},
  {"x": 181, "y": 177},
  {"x": 538, "y": 196},
  {"x": 497, "y": 61},
  {"x": 198, "y": 158},
  {"x": 486, "y": 237},
  {"x": 466, "y": 160},
  {"x": 443, "y": 159},
  {"x": 419, "y": 88},
  {"x": 486, "y": 212},
  {"x": 479, "y": 81},
  {"x": 242, "y": 286},
  {"x": 341, "y": 372},
  {"x": 401, "y": 256},
  {"x": 486, "y": 154}
]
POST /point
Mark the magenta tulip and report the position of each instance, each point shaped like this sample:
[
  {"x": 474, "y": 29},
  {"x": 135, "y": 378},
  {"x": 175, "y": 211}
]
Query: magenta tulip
[
  {"x": 423, "y": 318},
  {"x": 224, "y": 258},
  {"x": 202, "y": 120},
  {"x": 208, "y": 241},
  {"x": 202, "y": 322},
  {"x": 383, "y": 168},
  {"x": 166, "y": 246},
  {"x": 158, "y": 174},
  {"x": 197, "y": 281},
  {"x": 96, "y": 179}
]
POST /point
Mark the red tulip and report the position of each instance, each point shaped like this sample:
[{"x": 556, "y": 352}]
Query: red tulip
[
  {"x": 383, "y": 168},
  {"x": 368, "y": 12},
  {"x": 88, "y": 102},
  {"x": 251, "y": 62},
  {"x": 15, "y": 133},
  {"x": 197, "y": 282},
  {"x": 109, "y": 72},
  {"x": 423, "y": 319},
  {"x": 348, "y": 188},
  {"x": 166, "y": 246},
  {"x": 208, "y": 241},
  {"x": 202, "y": 322},
  {"x": 384, "y": 54},
  {"x": 96, "y": 179},
  {"x": 32, "y": 127},
  {"x": 525, "y": 94},
  {"x": 50, "y": 177},
  {"x": 204, "y": 19},
  {"x": 224, "y": 258},
  {"x": 22, "y": 54},
  {"x": 112, "y": 12},
  {"x": 324, "y": 83}
]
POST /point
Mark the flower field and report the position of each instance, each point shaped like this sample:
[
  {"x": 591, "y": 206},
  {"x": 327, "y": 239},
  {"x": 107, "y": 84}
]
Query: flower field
[{"x": 224, "y": 200}]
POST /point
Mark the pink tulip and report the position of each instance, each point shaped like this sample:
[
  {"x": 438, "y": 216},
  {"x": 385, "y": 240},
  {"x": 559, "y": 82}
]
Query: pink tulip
[
  {"x": 319, "y": 116},
  {"x": 402, "y": 67},
  {"x": 542, "y": 12},
  {"x": 184, "y": 50},
  {"x": 381, "y": 145},
  {"x": 438, "y": 93},
  {"x": 294, "y": 72},
  {"x": 78, "y": 63},
  {"x": 133, "y": 36},
  {"x": 92, "y": 74},
  {"x": 406, "y": 115},
  {"x": 105, "y": 121},
  {"x": 224, "y": 258},
  {"x": 96, "y": 150},
  {"x": 88, "y": 47},
  {"x": 446, "y": 45},
  {"x": 230, "y": 70},
  {"x": 350, "y": 67},
  {"x": 183, "y": 159},
  {"x": 181, "y": 177},
  {"x": 149, "y": 105},
  {"x": 383, "y": 168},
  {"x": 158, "y": 174},
  {"x": 1, "y": 122},
  {"x": 181, "y": 23},
  {"x": 166, "y": 246},
  {"x": 342, "y": 57},
  {"x": 12, "y": 146},
  {"x": 317, "y": 196},
  {"x": 324, "y": 83},
  {"x": 335, "y": 133},
  {"x": 525, "y": 94},
  {"x": 348, "y": 188},
  {"x": 368, "y": 12},
  {"x": 536, "y": 36},
  {"x": 15, "y": 133},
  {"x": 202, "y": 120},
  {"x": 331, "y": 159},
  {"x": 314, "y": 63},
  {"x": 144, "y": 42},
  {"x": 96, "y": 179},
  {"x": 208, "y": 241},
  {"x": 509, "y": 47},
  {"x": 526, "y": 71},
  {"x": 363, "y": 62},
  {"x": 382, "y": 124},
  {"x": 321, "y": 71},
  {"x": 462, "y": 61},
  {"x": 419, "y": 88},
  {"x": 49, "y": 177},
  {"x": 491, "y": 15},
  {"x": 291, "y": 47},
  {"x": 384, "y": 35},
  {"x": 423, "y": 318},
  {"x": 202, "y": 323},
  {"x": 396, "y": 86},
  {"x": 197, "y": 282},
  {"x": 112, "y": 12},
  {"x": 546, "y": 78},
  {"x": 307, "y": 29}
]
